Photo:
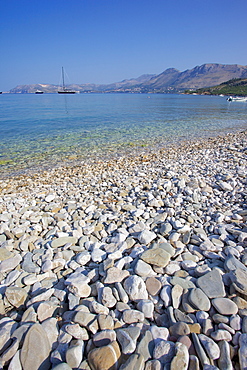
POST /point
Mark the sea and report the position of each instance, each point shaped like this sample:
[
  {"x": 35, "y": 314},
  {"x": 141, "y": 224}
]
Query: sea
[{"x": 41, "y": 131}]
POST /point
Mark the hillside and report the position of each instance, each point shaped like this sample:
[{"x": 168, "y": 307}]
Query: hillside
[
  {"x": 236, "y": 86},
  {"x": 198, "y": 77},
  {"x": 171, "y": 80}
]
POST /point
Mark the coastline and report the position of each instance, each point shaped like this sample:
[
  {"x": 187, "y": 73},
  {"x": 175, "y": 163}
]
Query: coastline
[
  {"x": 77, "y": 275},
  {"x": 128, "y": 151}
]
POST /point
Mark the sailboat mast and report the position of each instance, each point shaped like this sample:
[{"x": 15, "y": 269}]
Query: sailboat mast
[{"x": 63, "y": 78}]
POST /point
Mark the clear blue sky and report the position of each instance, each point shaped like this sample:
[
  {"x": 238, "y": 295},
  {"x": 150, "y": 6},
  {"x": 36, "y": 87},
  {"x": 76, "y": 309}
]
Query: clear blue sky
[{"x": 104, "y": 41}]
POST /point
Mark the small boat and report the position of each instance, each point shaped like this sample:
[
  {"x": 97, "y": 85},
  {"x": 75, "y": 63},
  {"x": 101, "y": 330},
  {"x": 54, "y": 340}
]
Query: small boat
[
  {"x": 239, "y": 99},
  {"x": 39, "y": 92},
  {"x": 64, "y": 89}
]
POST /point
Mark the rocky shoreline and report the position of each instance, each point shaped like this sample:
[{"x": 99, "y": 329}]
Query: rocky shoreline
[{"x": 137, "y": 262}]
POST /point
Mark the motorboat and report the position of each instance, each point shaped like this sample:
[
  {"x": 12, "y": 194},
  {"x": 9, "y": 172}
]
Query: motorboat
[{"x": 237, "y": 98}]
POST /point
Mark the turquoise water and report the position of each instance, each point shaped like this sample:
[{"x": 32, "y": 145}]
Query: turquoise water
[{"x": 44, "y": 130}]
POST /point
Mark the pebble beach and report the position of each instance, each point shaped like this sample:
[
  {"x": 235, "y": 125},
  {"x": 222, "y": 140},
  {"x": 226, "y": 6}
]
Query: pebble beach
[{"x": 137, "y": 262}]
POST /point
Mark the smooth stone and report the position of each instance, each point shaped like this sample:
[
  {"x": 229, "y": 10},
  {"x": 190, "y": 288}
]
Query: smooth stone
[
  {"x": 105, "y": 322},
  {"x": 132, "y": 316},
  {"x": 153, "y": 365},
  {"x": 225, "y": 186},
  {"x": 145, "y": 237},
  {"x": 84, "y": 318},
  {"x": 221, "y": 334},
  {"x": 77, "y": 284},
  {"x": 62, "y": 366},
  {"x": 15, "y": 363},
  {"x": 165, "y": 295},
  {"x": 75, "y": 331},
  {"x": 115, "y": 275},
  {"x": 60, "y": 242},
  {"x": 51, "y": 328},
  {"x": 96, "y": 307},
  {"x": 143, "y": 269},
  {"x": 145, "y": 346},
  {"x": 159, "y": 333},
  {"x": 11, "y": 277},
  {"x": 212, "y": 284},
  {"x": 225, "y": 306},
  {"x": 207, "y": 327},
  {"x": 74, "y": 353},
  {"x": 199, "y": 350},
  {"x": 153, "y": 285},
  {"x": 187, "y": 307},
  {"x": 168, "y": 248},
  {"x": 185, "y": 339},
  {"x": 41, "y": 297},
  {"x": 107, "y": 297},
  {"x": 98, "y": 255},
  {"x": 193, "y": 363},
  {"x": 188, "y": 265},
  {"x": 147, "y": 307},
  {"x": 5, "y": 253},
  {"x": 224, "y": 361},
  {"x": 122, "y": 293},
  {"x": 181, "y": 358},
  {"x": 172, "y": 268},
  {"x": 7, "y": 327},
  {"x": 165, "y": 228},
  {"x": 218, "y": 318},
  {"x": 127, "y": 338},
  {"x": 29, "y": 315},
  {"x": 211, "y": 348},
  {"x": 185, "y": 284},
  {"x": 239, "y": 280},
  {"x": 134, "y": 362},
  {"x": 226, "y": 327},
  {"x": 28, "y": 265},
  {"x": 105, "y": 358},
  {"x": 176, "y": 293},
  {"x": 242, "y": 352},
  {"x": 181, "y": 316},
  {"x": 170, "y": 315},
  {"x": 195, "y": 328},
  {"x": 36, "y": 349},
  {"x": 164, "y": 351},
  {"x": 199, "y": 299},
  {"x": 16, "y": 296},
  {"x": 21, "y": 332},
  {"x": 83, "y": 258},
  {"x": 244, "y": 324},
  {"x": 156, "y": 256},
  {"x": 10, "y": 264},
  {"x": 232, "y": 264},
  {"x": 104, "y": 337},
  {"x": 135, "y": 288},
  {"x": 50, "y": 197},
  {"x": 10, "y": 351},
  {"x": 235, "y": 322},
  {"x": 46, "y": 310},
  {"x": 179, "y": 329}
]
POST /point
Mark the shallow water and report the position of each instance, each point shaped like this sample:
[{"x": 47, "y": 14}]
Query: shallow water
[{"x": 44, "y": 130}]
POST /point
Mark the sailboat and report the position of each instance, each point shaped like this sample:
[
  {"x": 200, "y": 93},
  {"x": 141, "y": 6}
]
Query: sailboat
[{"x": 64, "y": 90}]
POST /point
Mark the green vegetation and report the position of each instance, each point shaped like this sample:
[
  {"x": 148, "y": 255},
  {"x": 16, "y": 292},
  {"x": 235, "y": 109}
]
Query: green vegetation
[{"x": 236, "y": 86}]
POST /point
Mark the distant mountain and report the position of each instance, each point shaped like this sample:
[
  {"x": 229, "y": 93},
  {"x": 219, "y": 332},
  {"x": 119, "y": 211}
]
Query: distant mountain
[
  {"x": 201, "y": 76},
  {"x": 171, "y": 80},
  {"x": 236, "y": 86},
  {"x": 82, "y": 88}
]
